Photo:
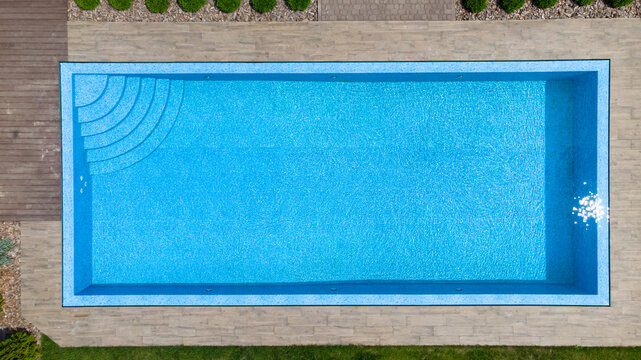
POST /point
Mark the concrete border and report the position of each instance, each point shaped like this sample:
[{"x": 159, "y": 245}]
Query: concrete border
[{"x": 516, "y": 294}]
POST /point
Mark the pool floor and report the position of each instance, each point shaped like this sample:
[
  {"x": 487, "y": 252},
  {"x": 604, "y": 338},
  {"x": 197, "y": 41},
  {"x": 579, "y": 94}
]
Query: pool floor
[{"x": 306, "y": 181}]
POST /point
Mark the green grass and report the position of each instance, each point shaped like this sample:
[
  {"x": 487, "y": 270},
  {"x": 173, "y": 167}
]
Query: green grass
[{"x": 51, "y": 351}]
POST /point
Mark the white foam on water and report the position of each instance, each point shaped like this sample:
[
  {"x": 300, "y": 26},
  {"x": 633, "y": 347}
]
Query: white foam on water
[{"x": 591, "y": 207}]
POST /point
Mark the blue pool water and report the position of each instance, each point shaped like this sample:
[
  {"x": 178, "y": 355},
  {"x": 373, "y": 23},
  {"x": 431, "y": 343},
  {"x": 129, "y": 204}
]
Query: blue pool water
[{"x": 204, "y": 181}]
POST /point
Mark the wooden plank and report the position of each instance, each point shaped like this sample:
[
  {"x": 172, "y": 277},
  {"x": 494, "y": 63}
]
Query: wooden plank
[
  {"x": 8, "y": 152},
  {"x": 29, "y": 129},
  {"x": 54, "y": 5},
  {"x": 31, "y": 52},
  {"x": 32, "y": 214},
  {"x": 39, "y": 174},
  {"x": 46, "y": 115},
  {"x": 45, "y": 38},
  {"x": 22, "y": 95},
  {"x": 41, "y": 143},
  {"x": 37, "y": 216},
  {"x": 5, "y": 27},
  {"x": 36, "y": 182},
  {"x": 39, "y": 44},
  {"x": 49, "y": 202},
  {"x": 29, "y": 62},
  {"x": 35, "y": 81}
]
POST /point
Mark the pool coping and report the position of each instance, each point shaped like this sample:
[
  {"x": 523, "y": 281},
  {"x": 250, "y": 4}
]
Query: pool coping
[{"x": 70, "y": 297}]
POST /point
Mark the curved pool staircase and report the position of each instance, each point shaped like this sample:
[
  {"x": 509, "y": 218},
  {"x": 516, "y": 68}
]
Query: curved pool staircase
[{"x": 123, "y": 119}]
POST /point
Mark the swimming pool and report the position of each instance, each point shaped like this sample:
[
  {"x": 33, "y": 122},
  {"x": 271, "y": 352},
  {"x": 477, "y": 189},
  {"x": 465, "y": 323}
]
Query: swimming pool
[{"x": 420, "y": 183}]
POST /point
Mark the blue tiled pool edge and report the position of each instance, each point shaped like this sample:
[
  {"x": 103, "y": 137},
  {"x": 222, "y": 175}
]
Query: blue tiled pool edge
[{"x": 72, "y": 281}]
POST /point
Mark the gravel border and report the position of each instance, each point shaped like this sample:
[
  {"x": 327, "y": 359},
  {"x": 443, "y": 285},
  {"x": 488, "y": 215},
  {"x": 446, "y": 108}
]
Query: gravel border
[
  {"x": 10, "y": 286},
  {"x": 139, "y": 13},
  {"x": 564, "y": 9}
]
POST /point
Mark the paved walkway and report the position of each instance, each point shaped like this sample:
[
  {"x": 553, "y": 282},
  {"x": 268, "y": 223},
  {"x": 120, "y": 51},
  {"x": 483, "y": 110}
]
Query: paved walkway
[
  {"x": 619, "y": 324},
  {"x": 33, "y": 38},
  {"x": 349, "y": 10}
]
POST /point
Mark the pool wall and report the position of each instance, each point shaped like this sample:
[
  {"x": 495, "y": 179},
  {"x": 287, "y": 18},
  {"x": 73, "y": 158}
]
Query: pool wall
[{"x": 591, "y": 252}]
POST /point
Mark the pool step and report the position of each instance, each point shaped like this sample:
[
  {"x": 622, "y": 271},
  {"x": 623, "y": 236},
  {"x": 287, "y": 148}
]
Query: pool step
[
  {"x": 105, "y": 103},
  {"x": 129, "y": 122},
  {"x": 118, "y": 134},
  {"x": 88, "y": 88},
  {"x": 117, "y": 113},
  {"x": 117, "y": 146}
]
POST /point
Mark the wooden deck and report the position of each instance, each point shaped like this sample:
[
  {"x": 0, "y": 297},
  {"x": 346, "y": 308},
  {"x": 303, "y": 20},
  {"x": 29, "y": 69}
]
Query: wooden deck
[{"x": 33, "y": 39}]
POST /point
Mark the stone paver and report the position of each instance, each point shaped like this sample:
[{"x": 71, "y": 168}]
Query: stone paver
[
  {"x": 620, "y": 324},
  {"x": 348, "y": 10}
]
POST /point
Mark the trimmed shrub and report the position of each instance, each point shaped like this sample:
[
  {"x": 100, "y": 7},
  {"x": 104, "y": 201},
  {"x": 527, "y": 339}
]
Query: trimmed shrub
[
  {"x": 263, "y": 6},
  {"x": 6, "y": 245},
  {"x": 157, "y": 6},
  {"x": 545, "y": 4},
  {"x": 87, "y": 4},
  {"x": 475, "y": 6},
  {"x": 120, "y": 4},
  {"x": 20, "y": 346},
  {"x": 227, "y": 6},
  {"x": 620, "y": 3},
  {"x": 298, "y": 5},
  {"x": 510, "y": 6},
  {"x": 583, "y": 2},
  {"x": 191, "y": 5}
]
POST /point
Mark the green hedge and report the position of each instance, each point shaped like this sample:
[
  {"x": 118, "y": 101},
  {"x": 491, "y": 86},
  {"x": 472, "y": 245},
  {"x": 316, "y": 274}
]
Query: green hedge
[
  {"x": 583, "y": 2},
  {"x": 157, "y": 6},
  {"x": 298, "y": 5},
  {"x": 620, "y": 3},
  {"x": 511, "y": 6},
  {"x": 20, "y": 346},
  {"x": 87, "y": 4},
  {"x": 263, "y": 6},
  {"x": 545, "y": 4},
  {"x": 191, "y": 5},
  {"x": 227, "y": 6},
  {"x": 120, "y": 4},
  {"x": 475, "y": 6}
]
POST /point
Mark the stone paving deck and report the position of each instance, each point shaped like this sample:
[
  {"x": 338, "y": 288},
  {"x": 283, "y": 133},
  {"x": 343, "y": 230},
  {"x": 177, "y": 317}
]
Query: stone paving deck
[
  {"x": 620, "y": 324},
  {"x": 349, "y": 10},
  {"x": 33, "y": 38}
]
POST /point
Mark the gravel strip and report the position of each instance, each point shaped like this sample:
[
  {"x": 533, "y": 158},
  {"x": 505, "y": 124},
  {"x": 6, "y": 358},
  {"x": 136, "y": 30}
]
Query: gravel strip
[
  {"x": 209, "y": 12},
  {"x": 11, "y": 318},
  {"x": 562, "y": 10}
]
